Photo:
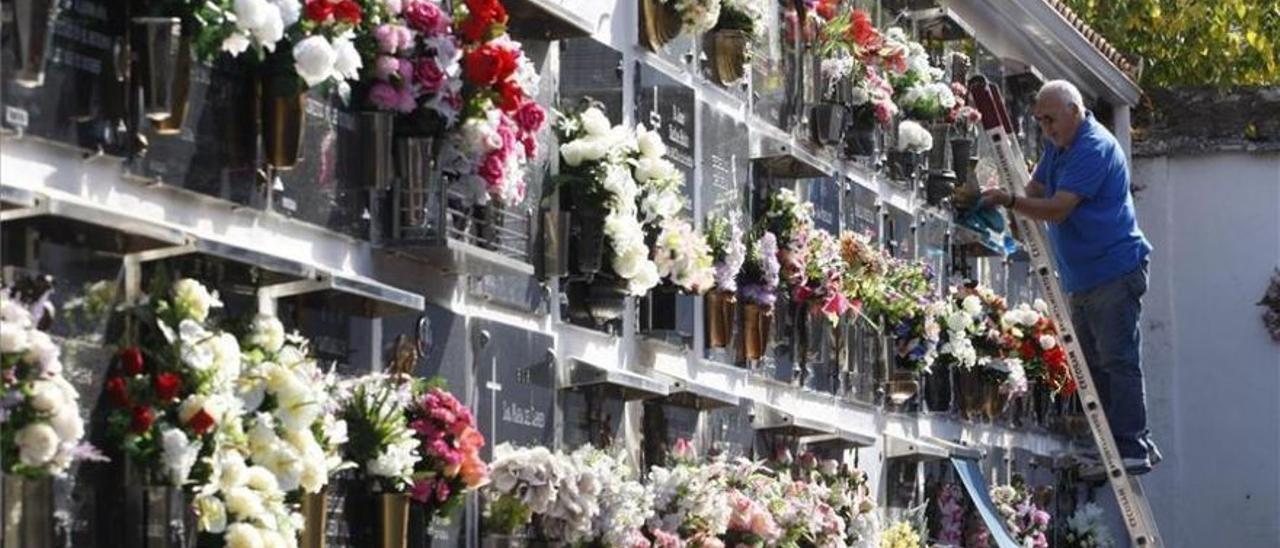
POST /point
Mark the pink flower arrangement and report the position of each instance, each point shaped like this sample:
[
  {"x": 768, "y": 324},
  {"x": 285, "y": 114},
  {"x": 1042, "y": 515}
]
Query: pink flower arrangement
[
  {"x": 951, "y": 508},
  {"x": 489, "y": 151},
  {"x": 417, "y": 62},
  {"x": 450, "y": 448}
]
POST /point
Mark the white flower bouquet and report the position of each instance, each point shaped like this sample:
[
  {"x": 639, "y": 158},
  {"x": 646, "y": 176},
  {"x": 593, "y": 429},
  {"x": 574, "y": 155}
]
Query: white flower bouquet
[
  {"x": 728, "y": 250},
  {"x": 380, "y": 442},
  {"x": 558, "y": 495},
  {"x": 912, "y": 137},
  {"x": 40, "y": 411},
  {"x": 244, "y": 504},
  {"x": 698, "y": 16},
  {"x": 1086, "y": 528},
  {"x": 683, "y": 257},
  {"x": 293, "y": 425}
]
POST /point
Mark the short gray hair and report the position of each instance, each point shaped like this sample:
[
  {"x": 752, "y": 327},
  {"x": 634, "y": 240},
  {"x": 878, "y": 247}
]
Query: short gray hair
[{"x": 1064, "y": 91}]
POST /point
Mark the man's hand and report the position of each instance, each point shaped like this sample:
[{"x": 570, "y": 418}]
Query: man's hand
[{"x": 994, "y": 196}]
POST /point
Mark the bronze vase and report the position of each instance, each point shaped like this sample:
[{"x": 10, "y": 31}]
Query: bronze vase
[
  {"x": 728, "y": 50},
  {"x": 180, "y": 89},
  {"x": 755, "y": 330},
  {"x": 315, "y": 512},
  {"x": 659, "y": 23},
  {"x": 161, "y": 47},
  {"x": 282, "y": 120},
  {"x": 903, "y": 386},
  {"x": 28, "y": 512},
  {"x": 393, "y": 520},
  {"x": 719, "y": 309}
]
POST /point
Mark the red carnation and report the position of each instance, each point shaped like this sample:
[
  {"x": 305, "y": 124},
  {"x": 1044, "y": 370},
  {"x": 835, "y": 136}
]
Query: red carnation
[
  {"x": 167, "y": 386},
  {"x": 487, "y": 12},
  {"x": 143, "y": 418},
  {"x": 1027, "y": 350},
  {"x": 510, "y": 95},
  {"x": 475, "y": 30},
  {"x": 489, "y": 64},
  {"x": 320, "y": 10},
  {"x": 118, "y": 391},
  {"x": 347, "y": 11},
  {"x": 200, "y": 422},
  {"x": 827, "y": 9},
  {"x": 131, "y": 360}
]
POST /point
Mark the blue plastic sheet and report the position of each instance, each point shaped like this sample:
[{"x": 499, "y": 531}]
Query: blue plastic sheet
[{"x": 976, "y": 485}]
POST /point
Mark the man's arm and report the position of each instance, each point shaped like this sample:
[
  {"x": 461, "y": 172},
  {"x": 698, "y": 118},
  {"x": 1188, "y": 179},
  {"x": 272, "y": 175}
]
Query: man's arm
[
  {"x": 1055, "y": 209},
  {"x": 1035, "y": 189}
]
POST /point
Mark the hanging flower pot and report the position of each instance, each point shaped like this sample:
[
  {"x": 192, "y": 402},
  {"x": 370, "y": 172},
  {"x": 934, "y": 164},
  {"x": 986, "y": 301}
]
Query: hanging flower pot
[
  {"x": 756, "y": 320},
  {"x": 33, "y": 21},
  {"x": 659, "y": 23},
  {"x": 586, "y": 231},
  {"x": 315, "y": 513},
  {"x": 161, "y": 39},
  {"x": 826, "y": 123},
  {"x": 282, "y": 99},
  {"x": 180, "y": 88},
  {"x": 961, "y": 149},
  {"x": 28, "y": 511},
  {"x": 860, "y": 136},
  {"x": 938, "y": 154},
  {"x": 938, "y": 389},
  {"x": 994, "y": 401},
  {"x": 393, "y": 520},
  {"x": 939, "y": 187},
  {"x": 719, "y": 311},
  {"x": 902, "y": 386},
  {"x": 728, "y": 50}
]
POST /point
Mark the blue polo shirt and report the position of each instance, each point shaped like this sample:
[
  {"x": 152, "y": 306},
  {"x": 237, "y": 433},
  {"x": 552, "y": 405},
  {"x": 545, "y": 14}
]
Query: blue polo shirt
[{"x": 1100, "y": 240}]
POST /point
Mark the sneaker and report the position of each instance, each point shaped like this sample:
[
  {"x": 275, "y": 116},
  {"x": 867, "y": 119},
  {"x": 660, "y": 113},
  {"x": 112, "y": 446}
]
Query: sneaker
[
  {"x": 1153, "y": 452},
  {"x": 1096, "y": 471}
]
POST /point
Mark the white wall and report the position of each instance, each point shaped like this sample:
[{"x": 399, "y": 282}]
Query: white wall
[{"x": 1213, "y": 373}]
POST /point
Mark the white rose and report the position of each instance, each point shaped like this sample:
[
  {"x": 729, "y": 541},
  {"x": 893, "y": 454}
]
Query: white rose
[
  {"x": 243, "y": 503},
  {"x": 645, "y": 279},
  {"x": 68, "y": 426},
  {"x": 648, "y": 169},
  {"x": 314, "y": 476},
  {"x": 261, "y": 479},
  {"x": 42, "y": 350},
  {"x": 267, "y": 333},
  {"x": 1047, "y": 342},
  {"x": 46, "y": 397},
  {"x": 179, "y": 455},
  {"x": 972, "y": 304},
  {"x": 348, "y": 62},
  {"x": 212, "y": 514},
  {"x": 226, "y": 356},
  {"x": 13, "y": 338},
  {"x": 190, "y": 406},
  {"x": 287, "y": 466},
  {"x": 573, "y": 152},
  {"x": 595, "y": 122},
  {"x": 235, "y": 44},
  {"x": 37, "y": 444},
  {"x": 627, "y": 263},
  {"x": 11, "y": 312},
  {"x": 1040, "y": 306},
  {"x": 242, "y": 535},
  {"x": 251, "y": 14},
  {"x": 650, "y": 143},
  {"x": 272, "y": 539},
  {"x": 271, "y": 30},
  {"x": 313, "y": 59},
  {"x": 193, "y": 299},
  {"x": 664, "y": 204},
  {"x": 290, "y": 11},
  {"x": 230, "y": 470}
]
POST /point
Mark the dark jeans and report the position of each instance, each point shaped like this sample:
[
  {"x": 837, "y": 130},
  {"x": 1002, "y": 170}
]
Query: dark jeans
[{"x": 1106, "y": 322}]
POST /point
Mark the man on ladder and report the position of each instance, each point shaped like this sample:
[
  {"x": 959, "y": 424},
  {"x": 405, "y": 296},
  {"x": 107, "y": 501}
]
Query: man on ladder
[{"x": 1081, "y": 188}]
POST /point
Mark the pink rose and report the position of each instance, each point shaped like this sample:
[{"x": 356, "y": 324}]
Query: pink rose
[
  {"x": 428, "y": 75},
  {"x": 426, "y": 17},
  {"x": 422, "y": 489},
  {"x": 386, "y": 66},
  {"x": 392, "y": 38},
  {"x": 530, "y": 117},
  {"x": 491, "y": 170},
  {"x": 384, "y": 96},
  {"x": 530, "y": 146}
]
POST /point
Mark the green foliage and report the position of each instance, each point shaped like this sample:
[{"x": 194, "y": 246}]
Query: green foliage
[{"x": 1192, "y": 43}]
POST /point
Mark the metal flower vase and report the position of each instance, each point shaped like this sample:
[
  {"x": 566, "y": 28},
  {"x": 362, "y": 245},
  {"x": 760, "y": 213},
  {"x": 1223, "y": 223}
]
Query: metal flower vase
[
  {"x": 315, "y": 515},
  {"x": 719, "y": 312},
  {"x": 659, "y": 23},
  {"x": 161, "y": 44},
  {"x": 729, "y": 54},
  {"x": 32, "y": 25},
  {"x": 756, "y": 320},
  {"x": 179, "y": 89},
  {"x": 28, "y": 512},
  {"x": 393, "y": 520},
  {"x": 826, "y": 123},
  {"x": 282, "y": 114}
]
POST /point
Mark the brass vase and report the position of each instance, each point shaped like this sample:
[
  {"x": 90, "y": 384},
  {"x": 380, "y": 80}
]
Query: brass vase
[
  {"x": 755, "y": 330},
  {"x": 315, "y": 512},
  {"x": 161, "y": 46},
  {"x": 903, "y": 386},
  {"x": 28, "y": 512},
  {"x": 729, "y": 54},
  {"x": 393, "y": 520},
  {"x": 719, "y": 309},
  {"x": 180, "y": 89},
  {"x": 659, "y": 23},
  {"x": 993, "y": 403},
  {"x": 282, "y": 117}
]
